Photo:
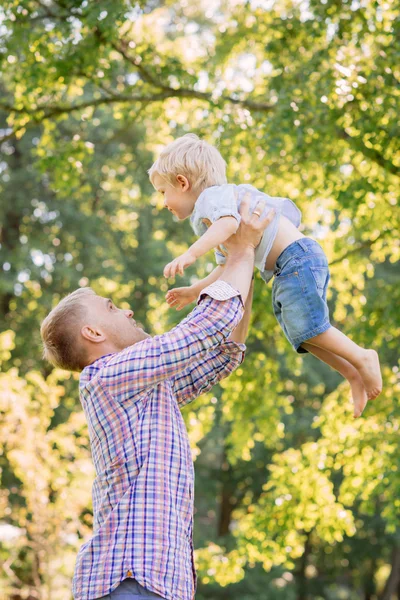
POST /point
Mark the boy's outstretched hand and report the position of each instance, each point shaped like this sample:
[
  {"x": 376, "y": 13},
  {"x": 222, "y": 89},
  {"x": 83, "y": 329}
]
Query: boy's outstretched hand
[
  {"x": 179, "y": 264},
  {"x": 178, "y": 298}
]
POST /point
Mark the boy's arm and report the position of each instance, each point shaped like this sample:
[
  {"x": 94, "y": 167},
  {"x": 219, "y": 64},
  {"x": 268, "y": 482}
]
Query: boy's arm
[{"x": 215, "y": 235}]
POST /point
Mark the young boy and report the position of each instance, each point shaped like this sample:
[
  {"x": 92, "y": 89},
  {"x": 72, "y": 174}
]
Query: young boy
[{"x": 190, "y": 173}]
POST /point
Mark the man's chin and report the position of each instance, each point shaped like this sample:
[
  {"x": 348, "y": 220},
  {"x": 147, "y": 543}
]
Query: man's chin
[
  {"x": 142, "y": 334},
  {"x": 138, "y": 336}
]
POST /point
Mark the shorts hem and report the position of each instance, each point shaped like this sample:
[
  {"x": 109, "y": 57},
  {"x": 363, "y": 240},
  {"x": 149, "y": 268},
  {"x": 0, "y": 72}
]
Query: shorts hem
[{"x": 310, "y": 334}]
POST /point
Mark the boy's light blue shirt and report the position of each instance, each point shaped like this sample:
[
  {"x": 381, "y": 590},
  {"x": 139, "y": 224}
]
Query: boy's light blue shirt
[{"x": 225, "y": 200}]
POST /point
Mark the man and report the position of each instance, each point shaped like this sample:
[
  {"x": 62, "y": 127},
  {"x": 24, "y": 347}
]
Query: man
[{"x": 131, "y": 388}]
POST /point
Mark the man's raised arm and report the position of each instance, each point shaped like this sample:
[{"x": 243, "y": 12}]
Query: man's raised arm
[
  {"x": 219, "y": 311},
  {"x": 217, "y": 364},
  {"x": 222, "y": 361}
]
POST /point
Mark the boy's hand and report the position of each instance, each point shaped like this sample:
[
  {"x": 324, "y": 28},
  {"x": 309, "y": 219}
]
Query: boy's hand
[
  {"x": 181, "y": 297},
  {"x": 179, "y": 264}
]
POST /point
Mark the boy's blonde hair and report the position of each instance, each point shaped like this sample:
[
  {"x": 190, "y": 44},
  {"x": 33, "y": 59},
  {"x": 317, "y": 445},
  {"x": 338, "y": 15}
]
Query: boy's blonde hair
[
  {"x": 194, "y": 158},
  {"x": 60, "y": 332}
]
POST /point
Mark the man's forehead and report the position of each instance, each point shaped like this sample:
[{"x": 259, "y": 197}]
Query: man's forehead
[{"x": 95, "y": 300}]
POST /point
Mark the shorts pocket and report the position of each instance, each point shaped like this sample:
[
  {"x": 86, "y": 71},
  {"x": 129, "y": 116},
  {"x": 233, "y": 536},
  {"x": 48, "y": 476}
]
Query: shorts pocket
[
  {"x": 320, "y": 275},
  {"x": 284, "y": 275}
]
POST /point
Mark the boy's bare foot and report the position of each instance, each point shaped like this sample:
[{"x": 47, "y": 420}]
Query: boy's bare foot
[
  {"x": 370, "y": 373},
  {"x": 358, "y": 393}
]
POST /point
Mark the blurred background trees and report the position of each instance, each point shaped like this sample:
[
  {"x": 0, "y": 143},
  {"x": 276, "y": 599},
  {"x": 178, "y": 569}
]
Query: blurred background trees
[{"x": 294, "y": 499}]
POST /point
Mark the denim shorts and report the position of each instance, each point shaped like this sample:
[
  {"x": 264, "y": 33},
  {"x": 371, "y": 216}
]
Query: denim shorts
[
  {"x": 299, "y": 292},
  {"x": 130, "y": 589}
]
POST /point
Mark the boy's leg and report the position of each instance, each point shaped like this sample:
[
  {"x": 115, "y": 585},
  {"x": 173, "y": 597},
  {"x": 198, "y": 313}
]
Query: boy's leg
[
  {"x": 365, "y": 361},
  {"x": 347, "y": 370}
]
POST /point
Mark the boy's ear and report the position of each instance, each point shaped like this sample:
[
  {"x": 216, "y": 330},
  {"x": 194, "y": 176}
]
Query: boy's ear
[{"x": 183, "y": 183}]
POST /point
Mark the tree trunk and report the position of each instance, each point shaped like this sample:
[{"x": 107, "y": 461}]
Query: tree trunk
[
  {"x": 369, "y": 589},
  {"x": 226, "y": 506},
  {"x": 9, "y": 233},
  {"x": 301, "y": 574},
  {"x": 393, "y": 581}
]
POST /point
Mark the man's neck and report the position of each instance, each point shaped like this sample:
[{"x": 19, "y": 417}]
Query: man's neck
[{"x": 104, "y": 350}]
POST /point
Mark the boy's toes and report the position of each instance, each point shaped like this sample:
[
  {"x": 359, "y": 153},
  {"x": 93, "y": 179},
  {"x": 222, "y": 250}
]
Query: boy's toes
[
  {"x": 374, "y": 393},
  {"x": 371, "y": 374}
]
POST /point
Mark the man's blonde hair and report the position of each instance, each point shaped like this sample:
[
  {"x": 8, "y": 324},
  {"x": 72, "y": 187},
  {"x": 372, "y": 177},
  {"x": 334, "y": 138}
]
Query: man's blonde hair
[
  {"x": 60, "y": 332},
  {"x": 194, "y": 158}
]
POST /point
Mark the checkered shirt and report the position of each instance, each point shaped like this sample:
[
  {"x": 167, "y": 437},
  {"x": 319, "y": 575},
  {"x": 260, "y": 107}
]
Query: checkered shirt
[{"x": 143, "y": 491}]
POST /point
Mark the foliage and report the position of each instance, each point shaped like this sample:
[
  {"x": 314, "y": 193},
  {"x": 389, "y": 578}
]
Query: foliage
[{"x": 302, "y": 101}]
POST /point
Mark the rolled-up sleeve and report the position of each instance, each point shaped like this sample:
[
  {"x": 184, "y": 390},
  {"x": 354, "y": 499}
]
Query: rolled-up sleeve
[
  {"x": 205, "y": 373},
  {"x": 169, "y": 356},
  {"x": 217, "y": 364}
]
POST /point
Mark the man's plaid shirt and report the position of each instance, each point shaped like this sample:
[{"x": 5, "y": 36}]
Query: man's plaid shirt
[{"x": 143, "y": 491}]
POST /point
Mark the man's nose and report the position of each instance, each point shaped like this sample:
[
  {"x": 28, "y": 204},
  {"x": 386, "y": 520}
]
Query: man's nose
[{"x": 129, "y": 313}]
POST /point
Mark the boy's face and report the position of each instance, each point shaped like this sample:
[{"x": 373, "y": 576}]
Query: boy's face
[{"x": 179, "y": 198}]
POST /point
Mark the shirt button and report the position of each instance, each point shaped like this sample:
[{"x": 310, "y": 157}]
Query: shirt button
[{"x": 129, "y": 574}]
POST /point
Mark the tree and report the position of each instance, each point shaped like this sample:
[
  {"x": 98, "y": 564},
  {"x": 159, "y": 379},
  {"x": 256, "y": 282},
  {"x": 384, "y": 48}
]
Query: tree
[{"x": 302, "y": 101}]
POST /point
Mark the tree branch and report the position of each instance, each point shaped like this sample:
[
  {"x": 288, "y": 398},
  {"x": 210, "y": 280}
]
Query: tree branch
[
  {"x": 361, "y": 246},
  {"x": 147, "y": 77},
  {"x": 371, "y": 153},
  {"x": 164, "y": 91},
  {"x": 46, "y": 112}
]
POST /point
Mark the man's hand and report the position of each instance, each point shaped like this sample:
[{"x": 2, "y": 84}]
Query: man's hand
[
  {"x": 179, "y": 264},
  {"x": 241, "y": 247},
  {"x": 251, "y": 227}
]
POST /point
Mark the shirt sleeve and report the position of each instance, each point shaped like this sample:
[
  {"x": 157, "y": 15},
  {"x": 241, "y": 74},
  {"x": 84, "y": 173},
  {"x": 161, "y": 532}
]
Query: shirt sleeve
[
  {"x": 216, "y": 202},
  {"x": 220, "y": 258},
  {"x": 165, "y": 357},
  {"x": 203, "y": 375}
]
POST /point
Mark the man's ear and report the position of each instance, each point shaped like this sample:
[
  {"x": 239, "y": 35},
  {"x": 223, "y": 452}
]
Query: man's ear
[
  {"x": 183, "y": 183},
  {"x": 92, "y": 335}
]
